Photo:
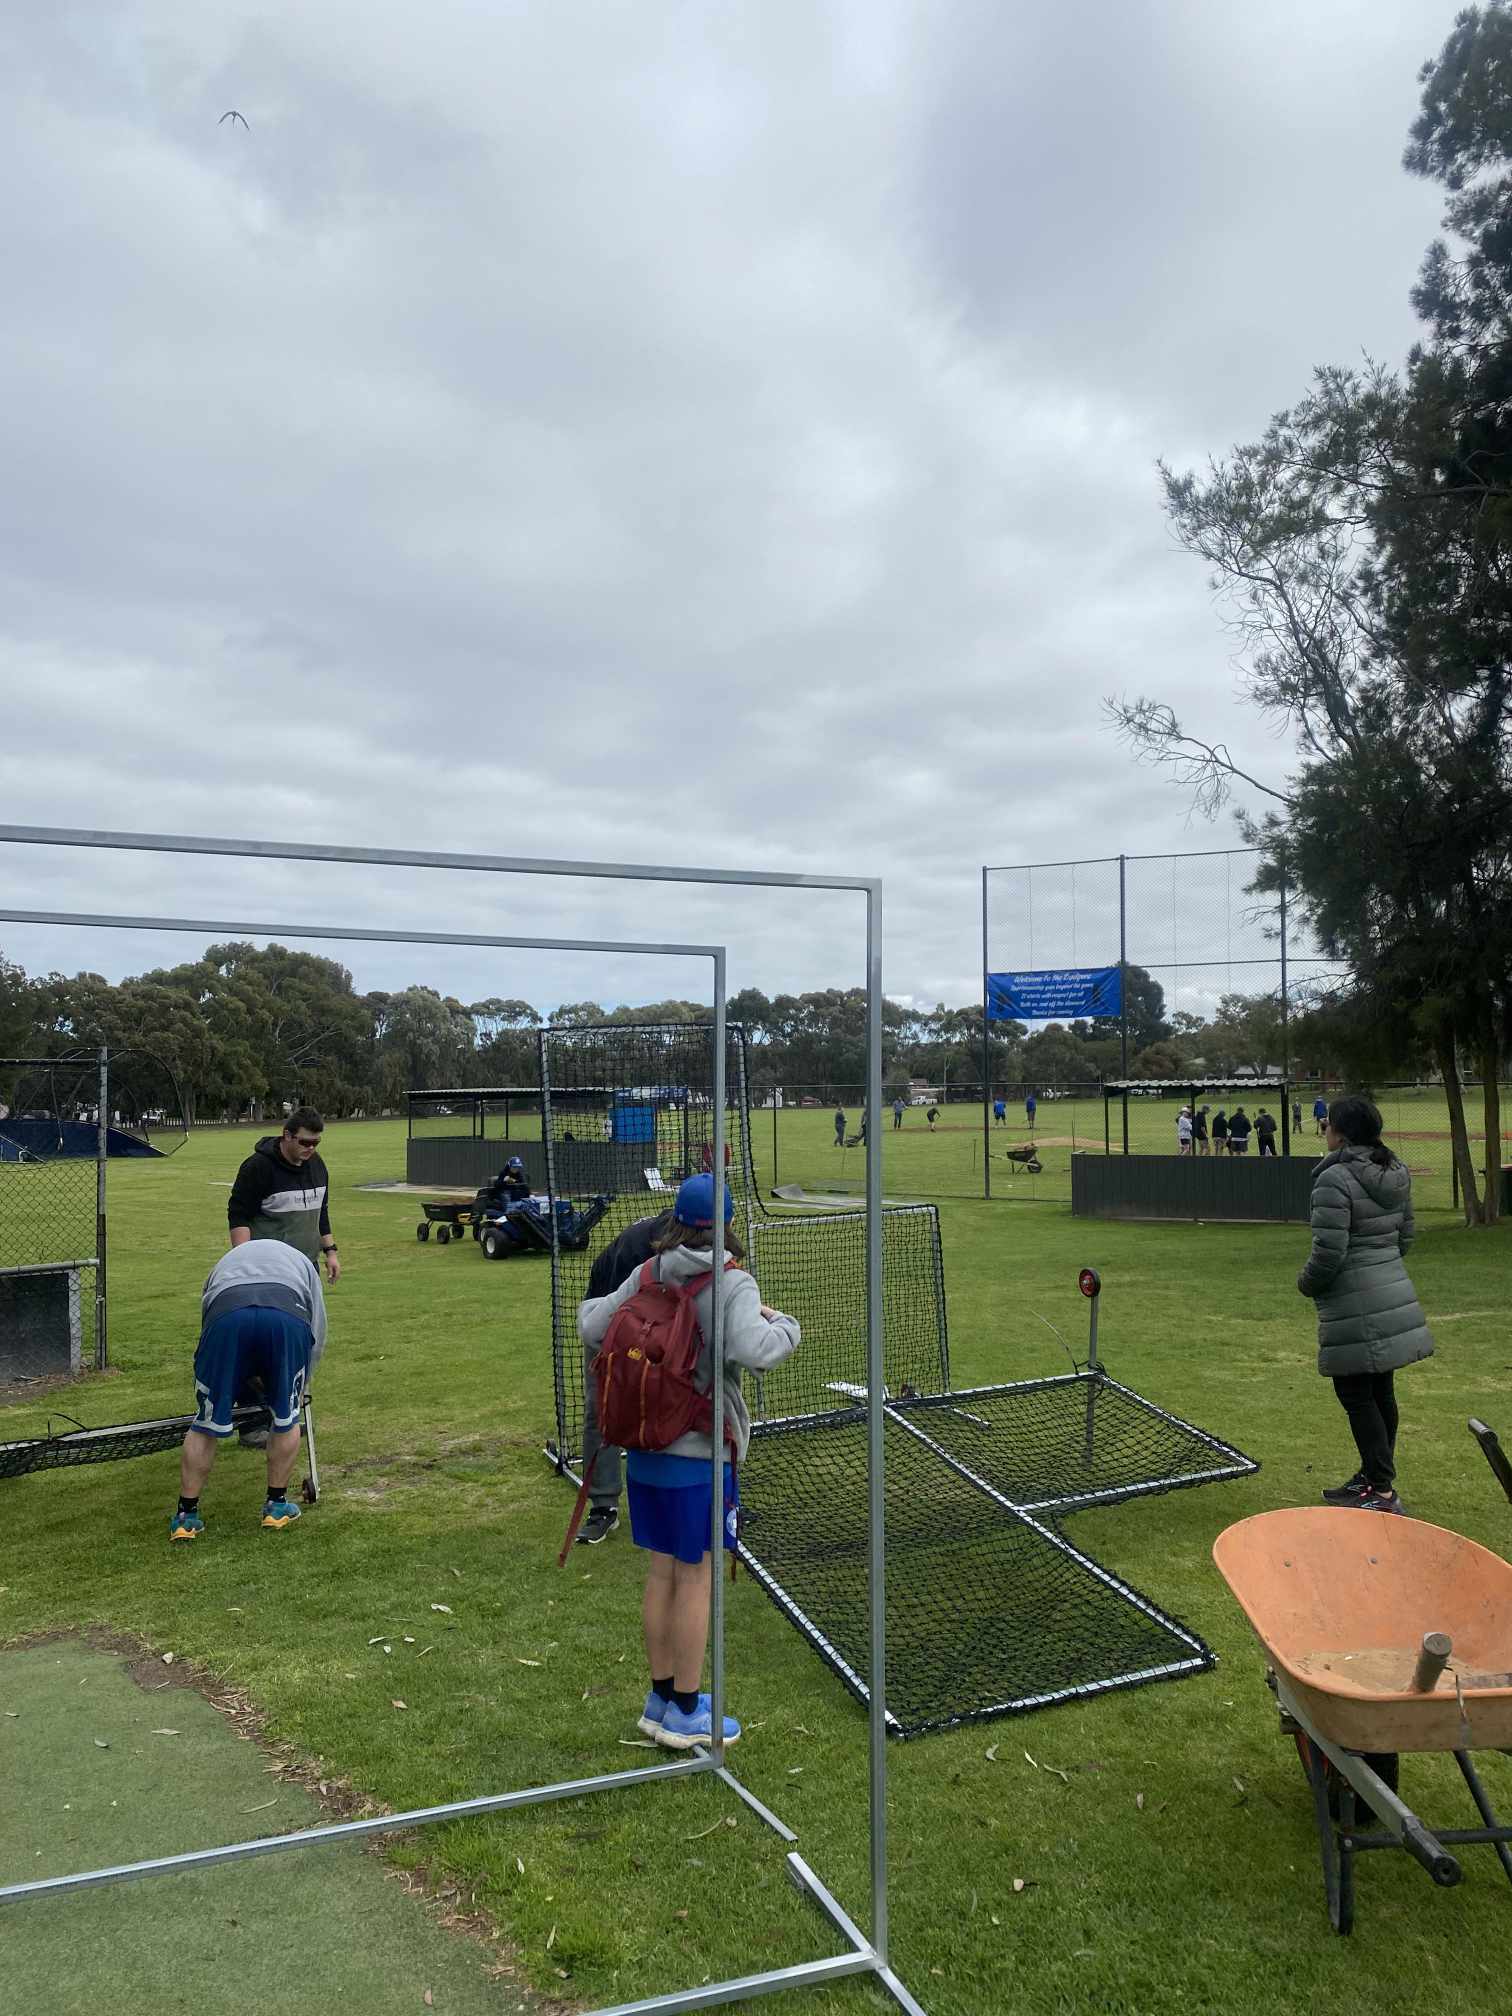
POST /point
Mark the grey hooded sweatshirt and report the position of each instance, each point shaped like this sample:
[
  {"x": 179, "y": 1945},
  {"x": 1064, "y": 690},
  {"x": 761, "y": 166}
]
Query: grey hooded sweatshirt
[
  {"x": 750, "y": 1339},
  {"x": 1369, "y": 1319}
]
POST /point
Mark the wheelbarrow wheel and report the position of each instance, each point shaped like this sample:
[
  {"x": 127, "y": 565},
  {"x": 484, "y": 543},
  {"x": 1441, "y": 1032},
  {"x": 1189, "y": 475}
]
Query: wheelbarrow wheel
[
  {"x": 1338, "y": 1863},
  {"x": 422, "y": 1231},
  {"x": 443, "y": 1235},
  {"x": 1386, "y": 1764}
]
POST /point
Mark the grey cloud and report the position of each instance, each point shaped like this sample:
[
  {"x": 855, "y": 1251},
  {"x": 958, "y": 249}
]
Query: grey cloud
[{"x": 661, "y": 433}]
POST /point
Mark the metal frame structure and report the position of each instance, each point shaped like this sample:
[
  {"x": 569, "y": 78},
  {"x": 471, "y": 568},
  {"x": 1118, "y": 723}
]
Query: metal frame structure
[
  {"x": 866, "y": 1954},
  {"x": 102, "y": 1152},
  {"x": 1123, "y": 860}
]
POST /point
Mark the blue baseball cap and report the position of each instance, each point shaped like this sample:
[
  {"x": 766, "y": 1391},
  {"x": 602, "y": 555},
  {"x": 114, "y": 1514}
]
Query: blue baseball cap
[{"x": 695, "y": 1202}]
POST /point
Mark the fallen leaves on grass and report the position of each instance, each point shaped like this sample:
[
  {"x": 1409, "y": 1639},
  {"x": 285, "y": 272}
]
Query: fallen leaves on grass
[
  {"x": 429, "y": 1649},
  {"x": 444, "y": 1608},
  {"x": 428, "y": 1999},
  {"x": 992, "y": 1750},
  {"x": 100, "y": 1743},
  {"x": 528, "y": 1662},
  {"x": 398, "y": 1704},
  {"x": 165, "y": 1732},
  {"x": 551, "y": 1938},
  {"x": 1021, "y": 1884},
  {"x": 519, "y": 1865},
  {"x": 636, "y": 1743},
  {"x": 167, "y": 1658},
  {"x": 1139, "y": 1801},
  {"x": 262, "y": 1808}
]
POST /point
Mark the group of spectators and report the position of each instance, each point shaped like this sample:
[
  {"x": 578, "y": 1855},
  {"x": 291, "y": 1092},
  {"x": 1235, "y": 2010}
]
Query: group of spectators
[{"x": 1229, "y": 1133}]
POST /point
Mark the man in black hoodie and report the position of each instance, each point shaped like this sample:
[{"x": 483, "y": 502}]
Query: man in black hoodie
[
  {"x": 282, "y": 1191},
  {"x": 618, "y": 1261}
]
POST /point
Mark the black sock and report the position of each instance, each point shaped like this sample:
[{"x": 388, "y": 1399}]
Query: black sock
[
  {"x": 662, "y": 1688},
  {"x": 188, "y": 1504},
  {"x": 687, "y": 1700}
]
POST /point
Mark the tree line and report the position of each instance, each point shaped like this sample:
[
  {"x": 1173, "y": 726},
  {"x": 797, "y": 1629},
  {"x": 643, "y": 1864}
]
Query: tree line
[{"x": 248, "y": 1030}]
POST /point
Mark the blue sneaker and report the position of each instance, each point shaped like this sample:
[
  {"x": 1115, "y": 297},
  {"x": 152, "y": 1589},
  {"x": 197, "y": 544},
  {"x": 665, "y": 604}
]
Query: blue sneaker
[
  {"x": 278, "y": 1513},
  {"x": 680, "y": 1732},
  {"x": 652, "y": 1714},
  {"x": 185, "y": 1526}
]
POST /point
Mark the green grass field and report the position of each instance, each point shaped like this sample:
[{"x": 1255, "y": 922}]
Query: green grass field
[
  {"x": 1172, "y": 1867},
  {"x": 948, "y": 1163}
]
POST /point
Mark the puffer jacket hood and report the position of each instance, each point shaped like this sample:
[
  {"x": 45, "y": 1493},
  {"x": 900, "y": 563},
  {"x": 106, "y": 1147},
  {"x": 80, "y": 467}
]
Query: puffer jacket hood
[{"x": 1390, "y": 1187}]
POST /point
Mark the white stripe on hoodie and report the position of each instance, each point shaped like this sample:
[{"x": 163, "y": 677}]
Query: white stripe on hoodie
[{"x": 750, "y": 1339}]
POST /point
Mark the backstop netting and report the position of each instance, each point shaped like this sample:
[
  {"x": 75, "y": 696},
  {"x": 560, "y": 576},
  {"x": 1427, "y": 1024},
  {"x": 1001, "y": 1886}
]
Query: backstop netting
[
  {"x": 990, "y": 1608},
  {"x": 51, "y": 1235}
]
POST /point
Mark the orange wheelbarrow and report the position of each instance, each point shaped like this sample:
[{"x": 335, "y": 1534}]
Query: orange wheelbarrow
[{"x": 1382, "y": 1635}]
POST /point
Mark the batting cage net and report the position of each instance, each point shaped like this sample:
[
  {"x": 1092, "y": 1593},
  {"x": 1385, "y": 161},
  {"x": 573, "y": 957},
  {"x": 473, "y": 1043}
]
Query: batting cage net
[
  {"x": 990, "y": 1608},
  {"x": 51, "y": 1228},
  {"x": 76, "y": 1446}
]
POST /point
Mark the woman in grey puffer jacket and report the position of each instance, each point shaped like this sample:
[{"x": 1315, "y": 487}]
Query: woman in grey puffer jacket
[{"x": 1369, "y": 1321}]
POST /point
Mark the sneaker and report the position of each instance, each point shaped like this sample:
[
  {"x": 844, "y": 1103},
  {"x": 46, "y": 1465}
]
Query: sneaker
[
  {"x": 278, "y": 1513},
  {"x": 600, "y": 1523},
  {"x": 678, "y": 1731},
  {"x": 185, "y": 1526},
  {"x": 1379, "y": 1498},
  {"x": 1346, "y": 1494},
  {"x": 653, "y": 1714}
]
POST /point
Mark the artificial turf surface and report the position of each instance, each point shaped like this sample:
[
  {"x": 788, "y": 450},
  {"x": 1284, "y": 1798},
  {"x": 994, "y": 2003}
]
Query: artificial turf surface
[{"x": 1172, "y": 1866}]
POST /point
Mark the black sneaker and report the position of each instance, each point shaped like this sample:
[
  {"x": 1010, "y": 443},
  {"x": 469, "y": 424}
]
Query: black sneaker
[
  {"x": 1347, "y": 1494},
  {"x": 1379, "y": 1498},
  {"x": 600, "y": 1523}
]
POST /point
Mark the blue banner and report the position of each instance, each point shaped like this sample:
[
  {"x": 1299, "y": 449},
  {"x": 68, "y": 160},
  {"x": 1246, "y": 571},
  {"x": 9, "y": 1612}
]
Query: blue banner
[{"x": 1057, "y": 994}]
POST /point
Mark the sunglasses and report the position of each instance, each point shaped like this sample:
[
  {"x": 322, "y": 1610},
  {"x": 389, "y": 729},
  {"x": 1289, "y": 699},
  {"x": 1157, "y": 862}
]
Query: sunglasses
[{"x": 301, "y": 1142}]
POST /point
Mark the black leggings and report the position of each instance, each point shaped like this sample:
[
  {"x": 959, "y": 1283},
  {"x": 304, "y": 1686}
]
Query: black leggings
[{"x": 1370, "y": 1402}]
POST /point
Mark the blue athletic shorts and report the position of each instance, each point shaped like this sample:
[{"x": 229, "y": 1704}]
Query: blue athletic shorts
[
  {"x": 669, "y": 1504},
  {"x": 266, "y": 1344}
]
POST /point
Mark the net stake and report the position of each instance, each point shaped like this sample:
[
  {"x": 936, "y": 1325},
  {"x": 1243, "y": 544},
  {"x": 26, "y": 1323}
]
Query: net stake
[{"x": 1432, "y": 1660}]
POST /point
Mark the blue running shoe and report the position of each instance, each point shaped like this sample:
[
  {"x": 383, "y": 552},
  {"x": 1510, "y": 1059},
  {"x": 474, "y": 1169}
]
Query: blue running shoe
[
  {"x": 680, "y": 1732},
  {"x": 278, "y": 1513},
  {"x": 186, "y": 1526},
  {"x": 653, "y": 1714}
]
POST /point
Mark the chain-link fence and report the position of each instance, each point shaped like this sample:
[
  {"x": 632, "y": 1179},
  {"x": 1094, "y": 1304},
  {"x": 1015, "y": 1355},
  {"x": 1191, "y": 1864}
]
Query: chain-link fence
[{"x": 54, "y": 1126}]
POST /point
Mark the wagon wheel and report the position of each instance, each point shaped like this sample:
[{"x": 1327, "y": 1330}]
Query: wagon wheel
[
  {"x": 443, "y": 1235},
  {"x": 422, "y": 1232},
  {"x": 1338, "y": 1863},
  {"x": 1034, "y": 1165}
]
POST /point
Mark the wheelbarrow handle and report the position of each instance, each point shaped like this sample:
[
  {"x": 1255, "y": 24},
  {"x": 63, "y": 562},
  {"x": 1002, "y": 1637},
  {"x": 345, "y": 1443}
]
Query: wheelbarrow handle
[{"x": 1431, "y": 1854}]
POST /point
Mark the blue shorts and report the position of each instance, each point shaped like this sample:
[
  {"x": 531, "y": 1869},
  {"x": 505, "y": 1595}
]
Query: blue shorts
[
  {"x": 265, "y": 1344},
  {"x": 669, "y": 1503}
]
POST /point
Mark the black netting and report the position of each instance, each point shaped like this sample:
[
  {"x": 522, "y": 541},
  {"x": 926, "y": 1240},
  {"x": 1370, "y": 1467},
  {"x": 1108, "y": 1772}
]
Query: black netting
[
  {"x": 815, "y": 1269},
  {"x": 991, "y": 1610},
  {"x": 1056, "y": 1445},
  {"x": 988, "y": 1612},
  {"x": 76, "y": 1446}
]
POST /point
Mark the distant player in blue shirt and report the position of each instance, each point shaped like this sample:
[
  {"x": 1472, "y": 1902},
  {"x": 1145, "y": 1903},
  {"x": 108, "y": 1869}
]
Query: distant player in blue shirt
[
  {"x": 1320, "y": 1112},
  {"x": 1000, "y": 1112},
  {"x": 1031, "y": 1107}
]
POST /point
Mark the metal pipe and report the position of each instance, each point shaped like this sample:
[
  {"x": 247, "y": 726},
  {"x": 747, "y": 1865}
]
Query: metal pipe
[
  {"x": 716, "y": 1349},
  {"x": 362, "y": 935},
  {"x": 876, "y": 1512},
  {"x": 1123, "y": 991},
  {"x": 406, "y": 857},
  {"x": 746, "y": 1987},
  {"x": 102, "y": 1156},
  {"x": 352, "y": 1830},
  {"x": 986, "y": 1058}
]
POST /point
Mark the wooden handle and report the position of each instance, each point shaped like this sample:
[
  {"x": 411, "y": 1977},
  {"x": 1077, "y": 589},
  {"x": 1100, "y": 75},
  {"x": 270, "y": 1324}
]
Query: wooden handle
[{"x": 1431, "y": 1661}]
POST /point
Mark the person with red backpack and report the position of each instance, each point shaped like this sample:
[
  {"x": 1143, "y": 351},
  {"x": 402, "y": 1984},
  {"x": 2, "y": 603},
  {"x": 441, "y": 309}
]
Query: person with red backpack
[{"x": 654, "y": 1373}]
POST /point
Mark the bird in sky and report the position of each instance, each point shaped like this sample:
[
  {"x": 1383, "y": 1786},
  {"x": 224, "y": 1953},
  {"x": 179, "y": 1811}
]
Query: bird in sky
[{"x": 231, "y": 115}]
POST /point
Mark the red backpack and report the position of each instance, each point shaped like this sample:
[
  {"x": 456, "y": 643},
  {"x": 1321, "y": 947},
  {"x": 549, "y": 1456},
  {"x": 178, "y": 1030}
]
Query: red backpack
[{"x": 646, "y": 1374}]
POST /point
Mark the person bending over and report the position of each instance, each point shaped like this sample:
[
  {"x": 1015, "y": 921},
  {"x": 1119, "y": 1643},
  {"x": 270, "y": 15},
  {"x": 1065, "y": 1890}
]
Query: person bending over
[
  {"x": 1370, "y": 1323},
  {"x": 263, "y": 1318},
  {"x": 671, "y": 1505}
]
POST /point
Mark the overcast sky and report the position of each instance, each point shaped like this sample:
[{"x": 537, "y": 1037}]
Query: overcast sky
[{"x": 714, "y": 433}]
